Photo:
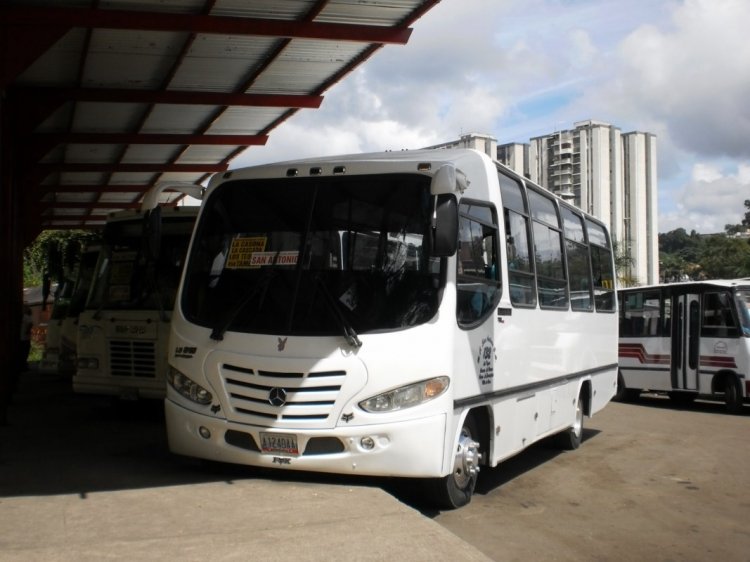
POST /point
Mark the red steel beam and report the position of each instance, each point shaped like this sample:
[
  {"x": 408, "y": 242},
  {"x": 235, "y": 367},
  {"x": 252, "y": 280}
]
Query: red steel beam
[
  {"x": 129, "y": 95},
  {"x": 70, "y": 188},
  {"x": 150, "y": 138},
  {"x": 72, "y": 218},
  {"x": 97, "y": 225},
  {"x": 89, "y": 205},
  {"x": 221, "y": 25},
  {"x": 152, "y": 168}
]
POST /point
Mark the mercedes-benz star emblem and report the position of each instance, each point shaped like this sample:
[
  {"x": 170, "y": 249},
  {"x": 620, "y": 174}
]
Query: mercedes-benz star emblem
[{"x": 277, "y": 397}]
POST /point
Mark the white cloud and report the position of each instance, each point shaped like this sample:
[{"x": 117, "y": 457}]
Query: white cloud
[
  {"x": 693, "y": 76},
  {"x": 706, "y": 172},
  {"x": 710, "y": 200}
]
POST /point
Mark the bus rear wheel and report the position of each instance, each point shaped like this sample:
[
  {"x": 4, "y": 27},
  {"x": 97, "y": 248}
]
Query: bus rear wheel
[
  {"x": 455, "y": 489},
  {"x": 733, "y": 395},
  {"x": 570, "y": 438}
]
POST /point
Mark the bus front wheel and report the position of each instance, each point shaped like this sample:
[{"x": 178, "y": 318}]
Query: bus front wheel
[{"x": 455, "y": 489}]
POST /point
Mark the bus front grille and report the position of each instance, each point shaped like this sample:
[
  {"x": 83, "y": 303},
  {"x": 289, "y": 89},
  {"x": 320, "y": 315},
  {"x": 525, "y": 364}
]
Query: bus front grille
[
  {"x": 269, "y": 397},
  {"x": 132, "y": 358}
]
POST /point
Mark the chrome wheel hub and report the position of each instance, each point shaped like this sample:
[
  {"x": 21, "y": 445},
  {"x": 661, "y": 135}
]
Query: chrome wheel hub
[{"x": 466, "y": 461}]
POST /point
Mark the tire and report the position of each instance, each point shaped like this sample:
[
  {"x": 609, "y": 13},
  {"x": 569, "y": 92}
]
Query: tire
[
  {"x": 455, "y": 489},
  {"x": 625, "y": 394},
  {"x": 570, "y": 438},
  {"x": 733, "y": 395}
]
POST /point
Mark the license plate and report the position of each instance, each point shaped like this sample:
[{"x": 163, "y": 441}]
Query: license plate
[{"x": 282, "y": 443}]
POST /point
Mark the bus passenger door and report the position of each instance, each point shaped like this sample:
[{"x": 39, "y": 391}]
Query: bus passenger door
[{"x": 686, "y": 342}]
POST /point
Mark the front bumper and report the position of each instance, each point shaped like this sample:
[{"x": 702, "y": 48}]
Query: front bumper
[{"x": 411, "y": 448}]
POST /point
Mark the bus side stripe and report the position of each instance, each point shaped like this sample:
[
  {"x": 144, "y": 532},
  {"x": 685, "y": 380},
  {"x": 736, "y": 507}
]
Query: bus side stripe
[
  {"x": 637, "y": 351},
  {"x": 505, "y": 392}
]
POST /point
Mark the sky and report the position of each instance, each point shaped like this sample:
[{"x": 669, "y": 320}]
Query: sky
[{"x": 517, "y": 69}]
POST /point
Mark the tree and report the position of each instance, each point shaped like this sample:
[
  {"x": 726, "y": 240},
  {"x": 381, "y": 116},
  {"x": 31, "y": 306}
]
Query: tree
[
  {"x": 53, "y": 251},
  {"x": 672, "y": 267},
  {"x": 679, "y": 242},
  {"x": 725, "y": 258},
  {"x": 623, "y": 263},
  {"x": 744, "y": 224}
]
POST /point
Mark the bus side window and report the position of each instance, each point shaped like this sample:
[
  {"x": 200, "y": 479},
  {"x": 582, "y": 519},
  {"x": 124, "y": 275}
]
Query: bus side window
[
  {"x": 521, "y": 279},
  {"x": 601, "y": 267},
  {"x": 578, "y": 261},
  {"x": 717, "y": 319},
  {"x": 666, "y": 326},
  {"x": 552, "y": 286},
  {"x": 478, "y": 276}
]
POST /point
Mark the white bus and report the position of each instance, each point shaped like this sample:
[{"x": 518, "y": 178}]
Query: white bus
[
  {"x": 688, "y": 340},
  {"x": 482, "y": 320},
  {"x": 62, "y": 329},
  {"x": 124, "y": 330}
]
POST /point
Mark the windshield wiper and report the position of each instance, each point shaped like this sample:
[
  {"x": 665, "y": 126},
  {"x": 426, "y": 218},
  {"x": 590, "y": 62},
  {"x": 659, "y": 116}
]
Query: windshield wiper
[
  {"x": 260, "y": 285},
  {"x": 350, "y": 334}
]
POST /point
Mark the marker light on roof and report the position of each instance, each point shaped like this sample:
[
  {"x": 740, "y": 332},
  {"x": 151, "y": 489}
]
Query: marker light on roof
[
  {"x": 339, "y": 170},
  {"x": 316, "y": 171},
  {"x": 291, "y": 172},
  {"x": 424, "y": 167}
]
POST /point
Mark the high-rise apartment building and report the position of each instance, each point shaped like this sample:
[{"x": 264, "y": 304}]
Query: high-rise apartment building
[
  {"x": 478, "y": 141},
  {"x": 607, "y": 173}
]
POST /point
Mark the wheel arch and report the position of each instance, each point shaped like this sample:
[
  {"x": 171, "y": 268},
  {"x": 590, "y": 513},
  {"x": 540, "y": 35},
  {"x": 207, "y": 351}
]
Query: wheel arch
[
  {"x": 584, "y": 391},
  {"x": 484, "y": 422},
  {"x": 719, "y": 380}
]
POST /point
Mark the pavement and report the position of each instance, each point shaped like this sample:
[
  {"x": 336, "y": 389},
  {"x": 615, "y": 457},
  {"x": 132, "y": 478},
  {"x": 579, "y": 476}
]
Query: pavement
[{"x": 85, "y": 478}]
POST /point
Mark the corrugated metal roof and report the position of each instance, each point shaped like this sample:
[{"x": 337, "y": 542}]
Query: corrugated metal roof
[{"x": 110, "y": 97}]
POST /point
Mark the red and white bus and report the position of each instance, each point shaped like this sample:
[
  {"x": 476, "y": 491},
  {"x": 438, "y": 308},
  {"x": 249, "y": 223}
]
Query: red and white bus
[{"x": 686, "y": 339}]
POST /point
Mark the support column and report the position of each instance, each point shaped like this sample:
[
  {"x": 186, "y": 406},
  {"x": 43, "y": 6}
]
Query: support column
[{"x": 11, "y": 262}]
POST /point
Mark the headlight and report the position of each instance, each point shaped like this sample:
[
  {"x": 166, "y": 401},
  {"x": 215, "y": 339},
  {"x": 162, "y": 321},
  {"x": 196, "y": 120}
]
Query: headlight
[
  {"x": 88, "y": 363},
  {"x": 188, "y": 388},
  {"x": 85, "y": 331},
  {"x": 406, "y": 396}
]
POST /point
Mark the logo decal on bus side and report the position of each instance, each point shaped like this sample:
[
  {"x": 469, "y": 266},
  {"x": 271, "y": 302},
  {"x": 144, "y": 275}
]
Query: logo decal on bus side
[
  {"x": 186, "y": 352},
  {"x": 486, "y": 358}
]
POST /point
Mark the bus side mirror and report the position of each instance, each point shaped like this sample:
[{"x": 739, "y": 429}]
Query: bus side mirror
[
  {"x": 152, "y": 233},
  {"x": 445, "y": 229}
]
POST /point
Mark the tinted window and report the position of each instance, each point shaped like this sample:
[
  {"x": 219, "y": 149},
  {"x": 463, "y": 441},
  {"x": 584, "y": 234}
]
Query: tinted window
[
  {"x": 579, "y": 264},
  {"x": 602, "y": 267},
  {"x": 517, "y": 241},
  {"x": 718, "y": 320},
  {"x": 478, "y": 276},
  {"x": 548, "y": 254},
  {"x": 641, "y": 314}
]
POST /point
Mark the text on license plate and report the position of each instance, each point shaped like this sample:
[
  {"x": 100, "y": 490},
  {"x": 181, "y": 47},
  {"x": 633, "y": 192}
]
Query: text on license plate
[{"x": 279, "y": 443}]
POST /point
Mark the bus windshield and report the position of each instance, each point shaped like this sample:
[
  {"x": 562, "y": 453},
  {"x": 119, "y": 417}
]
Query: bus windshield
[
  {"x": 126, "y": 280},
  {"x": 314, "y": 256},
  {"x": 742, "y": 296},
  {"x": 86, "y": 269}
]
